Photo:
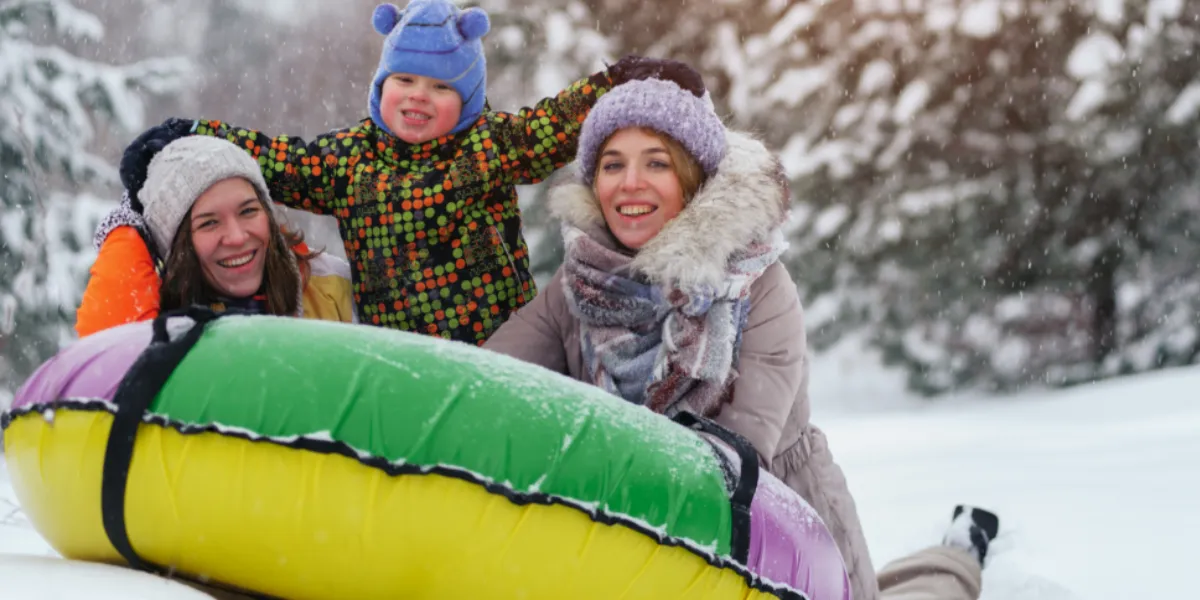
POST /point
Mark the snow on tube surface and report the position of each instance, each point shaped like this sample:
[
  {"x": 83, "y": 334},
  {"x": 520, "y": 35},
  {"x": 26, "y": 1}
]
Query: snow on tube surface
[{"x": 316, "y": 460}]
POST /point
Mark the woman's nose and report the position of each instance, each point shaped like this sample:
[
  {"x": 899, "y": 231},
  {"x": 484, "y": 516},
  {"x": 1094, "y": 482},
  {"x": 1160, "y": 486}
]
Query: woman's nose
[
  {"x": 632, "y": 179},
  {"x": 235, "y": 235}
]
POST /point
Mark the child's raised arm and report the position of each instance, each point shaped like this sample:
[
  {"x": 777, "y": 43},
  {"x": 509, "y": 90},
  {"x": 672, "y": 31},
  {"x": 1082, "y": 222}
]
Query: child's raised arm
[
  {"x": 301, "y": 175},
  {"x": 534, "y": 142}
]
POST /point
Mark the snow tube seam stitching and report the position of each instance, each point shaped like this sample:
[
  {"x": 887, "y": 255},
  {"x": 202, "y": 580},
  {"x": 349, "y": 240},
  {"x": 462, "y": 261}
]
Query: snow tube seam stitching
[{"x": 753, "y": 580}]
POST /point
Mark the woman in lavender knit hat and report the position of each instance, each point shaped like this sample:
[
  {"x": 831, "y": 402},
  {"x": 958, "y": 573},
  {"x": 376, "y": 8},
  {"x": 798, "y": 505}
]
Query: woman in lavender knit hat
[{"x": 672, "y": 296}]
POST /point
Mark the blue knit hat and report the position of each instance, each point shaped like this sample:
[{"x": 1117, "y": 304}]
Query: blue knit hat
[
  {"x": 434, "y": 38},
  {"x": 659, "y": 105}
]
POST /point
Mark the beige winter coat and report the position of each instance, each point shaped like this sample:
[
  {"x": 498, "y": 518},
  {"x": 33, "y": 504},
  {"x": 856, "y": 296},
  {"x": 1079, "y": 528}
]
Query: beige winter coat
[{"x": 742, "y": 202}]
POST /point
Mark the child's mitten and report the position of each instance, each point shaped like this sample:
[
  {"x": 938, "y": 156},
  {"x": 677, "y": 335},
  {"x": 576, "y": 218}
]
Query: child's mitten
[
  {"x": 633, "y": 67},
  {"x": 135, "y": 162}
]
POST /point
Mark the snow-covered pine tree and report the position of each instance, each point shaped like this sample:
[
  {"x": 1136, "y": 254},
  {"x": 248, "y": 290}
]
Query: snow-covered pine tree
[
  {"x": 51, "y": 103},
  {"x": 934, "y": 187},
  {"x": 1148, "y": 175},
  {"x": 979, "y": 182}
]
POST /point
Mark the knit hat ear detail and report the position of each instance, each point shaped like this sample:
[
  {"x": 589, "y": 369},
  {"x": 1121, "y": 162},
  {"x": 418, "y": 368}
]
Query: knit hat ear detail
[
  {"x": 386, "y": 17},
  {"x": 473, "y": 24}
]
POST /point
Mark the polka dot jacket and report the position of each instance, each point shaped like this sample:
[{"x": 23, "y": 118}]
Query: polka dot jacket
[{"x": 432, "y": 231}]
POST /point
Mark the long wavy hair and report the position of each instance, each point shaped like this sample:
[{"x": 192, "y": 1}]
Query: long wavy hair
[{"x": 184, "y": 283}]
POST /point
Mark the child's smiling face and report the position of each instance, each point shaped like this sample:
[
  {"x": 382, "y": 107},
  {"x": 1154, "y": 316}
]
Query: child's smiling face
[{"x": 418, "y": 109}]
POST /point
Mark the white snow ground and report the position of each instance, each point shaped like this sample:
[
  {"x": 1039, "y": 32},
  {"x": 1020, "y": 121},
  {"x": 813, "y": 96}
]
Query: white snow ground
[{"x": 1096, "y": 487}]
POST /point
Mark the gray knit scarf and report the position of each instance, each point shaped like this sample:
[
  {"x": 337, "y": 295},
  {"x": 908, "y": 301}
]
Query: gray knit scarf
[{"x": 656, "y": 346}]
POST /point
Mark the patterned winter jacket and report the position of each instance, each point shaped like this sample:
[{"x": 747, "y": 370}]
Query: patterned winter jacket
[{"x": 432, "y": 230}]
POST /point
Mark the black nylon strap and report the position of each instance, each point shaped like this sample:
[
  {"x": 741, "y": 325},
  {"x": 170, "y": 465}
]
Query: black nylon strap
[
  {"x": 133, "y": 398},
  {"x": 747, "y": 483}
]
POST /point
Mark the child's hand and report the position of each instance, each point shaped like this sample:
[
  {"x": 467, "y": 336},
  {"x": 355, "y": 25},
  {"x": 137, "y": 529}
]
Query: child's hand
[
  {"x": 135, "y": 162},
  {"x": 634, "y": 67}
]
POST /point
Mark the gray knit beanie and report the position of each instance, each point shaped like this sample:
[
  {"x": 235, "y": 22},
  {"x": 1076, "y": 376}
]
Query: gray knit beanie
[
  {"x": 184, "y": 170},
  {"x": 659, "y": 105}
]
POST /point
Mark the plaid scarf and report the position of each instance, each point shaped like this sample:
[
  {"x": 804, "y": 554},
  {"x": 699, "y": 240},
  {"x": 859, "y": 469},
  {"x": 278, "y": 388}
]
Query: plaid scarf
[{"x": 659, "y": 346}]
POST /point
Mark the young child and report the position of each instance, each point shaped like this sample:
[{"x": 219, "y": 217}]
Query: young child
[{"x": 424, "y": 189}]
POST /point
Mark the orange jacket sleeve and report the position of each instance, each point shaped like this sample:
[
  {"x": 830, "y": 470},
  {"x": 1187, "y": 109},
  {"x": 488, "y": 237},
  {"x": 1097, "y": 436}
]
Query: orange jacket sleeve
[{"x": 123, "y": 287}]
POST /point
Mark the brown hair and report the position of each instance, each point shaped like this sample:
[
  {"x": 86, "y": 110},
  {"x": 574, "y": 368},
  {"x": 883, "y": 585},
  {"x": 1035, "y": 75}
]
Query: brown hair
[
  {"x": 687, "y": 168},
  {"x": 184, "y": 284}
]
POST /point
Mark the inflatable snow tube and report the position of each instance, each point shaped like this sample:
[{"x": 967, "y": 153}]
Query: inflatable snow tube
[{"x": 313, "y": 460}]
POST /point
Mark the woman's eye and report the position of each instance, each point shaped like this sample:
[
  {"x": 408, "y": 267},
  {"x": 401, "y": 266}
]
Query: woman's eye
[
  {"x": 658, "y": 164},
  {"x": 611, "y": 167},
  {"x": 250, "y": 210},
  {"x": 208, "y": 224}
]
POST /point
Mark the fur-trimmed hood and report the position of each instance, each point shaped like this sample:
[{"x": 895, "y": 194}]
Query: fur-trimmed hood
[{"x": 744, "y": 201}]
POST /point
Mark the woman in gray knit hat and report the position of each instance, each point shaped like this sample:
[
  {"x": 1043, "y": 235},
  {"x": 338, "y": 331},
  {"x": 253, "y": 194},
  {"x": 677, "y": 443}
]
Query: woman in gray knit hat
[
  {"x": 672, "y": 296},
  {"x": 207, "y": 217}
]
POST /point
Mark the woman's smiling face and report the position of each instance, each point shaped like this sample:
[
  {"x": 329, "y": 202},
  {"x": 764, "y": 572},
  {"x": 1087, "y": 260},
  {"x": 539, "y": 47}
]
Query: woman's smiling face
[
  {"x": 637, "y": 187},
  {"x": 230, "y": 235}
]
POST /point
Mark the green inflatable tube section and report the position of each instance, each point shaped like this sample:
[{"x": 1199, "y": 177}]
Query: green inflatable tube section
[{"x": 417, "y": 401}]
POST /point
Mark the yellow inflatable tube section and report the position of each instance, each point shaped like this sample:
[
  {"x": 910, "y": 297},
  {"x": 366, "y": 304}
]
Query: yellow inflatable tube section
[{"x": 305, "y": 525}]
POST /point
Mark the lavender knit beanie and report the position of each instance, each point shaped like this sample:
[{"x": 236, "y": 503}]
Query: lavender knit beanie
[{"x": 659, "y": 105}]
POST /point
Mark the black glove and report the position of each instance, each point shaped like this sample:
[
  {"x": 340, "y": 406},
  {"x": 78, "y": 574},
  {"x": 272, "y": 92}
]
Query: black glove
[
  {"x": 633, "y": 67},
  {"x": 136, "y": 159}
]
